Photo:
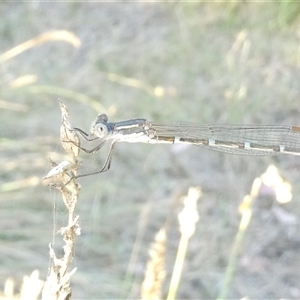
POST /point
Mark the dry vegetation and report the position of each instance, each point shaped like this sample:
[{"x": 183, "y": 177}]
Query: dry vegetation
[{"x": 204, "y": 62}]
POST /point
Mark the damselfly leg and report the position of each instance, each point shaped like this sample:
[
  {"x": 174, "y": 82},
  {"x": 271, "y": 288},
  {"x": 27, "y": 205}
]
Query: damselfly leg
[
  {"x": 107, "y": 163},
  {"x": 85, "y": 135},
  {"x": 90, "y": 138}
]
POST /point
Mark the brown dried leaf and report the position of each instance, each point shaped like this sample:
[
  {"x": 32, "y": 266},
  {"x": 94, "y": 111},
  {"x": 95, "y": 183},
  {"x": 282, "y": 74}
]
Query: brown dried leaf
[{"x": 69, "y": 138}]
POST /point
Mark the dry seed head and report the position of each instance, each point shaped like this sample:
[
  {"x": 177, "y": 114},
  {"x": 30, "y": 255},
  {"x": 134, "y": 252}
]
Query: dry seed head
[
  {"x": 155, "y": 273},
  {"x": 189, "y": 216}
]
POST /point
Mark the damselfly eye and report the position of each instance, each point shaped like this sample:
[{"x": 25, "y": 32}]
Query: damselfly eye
[{"x": 100, "y": 130}]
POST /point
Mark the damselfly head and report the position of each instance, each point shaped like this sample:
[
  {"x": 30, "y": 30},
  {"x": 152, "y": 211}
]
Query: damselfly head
[
  {"x": 100, "y": 130},
  {"x": 99, "y": 126}
]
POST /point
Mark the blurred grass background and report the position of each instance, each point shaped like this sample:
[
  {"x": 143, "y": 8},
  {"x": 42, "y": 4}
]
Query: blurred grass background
[{"x": 207, "y": 62}]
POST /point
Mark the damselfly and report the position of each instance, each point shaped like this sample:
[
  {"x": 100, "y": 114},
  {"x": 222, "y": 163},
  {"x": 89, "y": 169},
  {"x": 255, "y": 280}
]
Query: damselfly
[{"x": 234, "y": 139}]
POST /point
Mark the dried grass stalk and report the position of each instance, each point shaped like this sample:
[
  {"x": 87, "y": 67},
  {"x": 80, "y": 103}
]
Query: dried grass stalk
[
  {"x": 58, "y": 35},
  {"x": 155, "y": 273},
  {"x": 187, "y": 218},
  {"x": 57, "y": 285},
  {"x": 282, "y": 191}
]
